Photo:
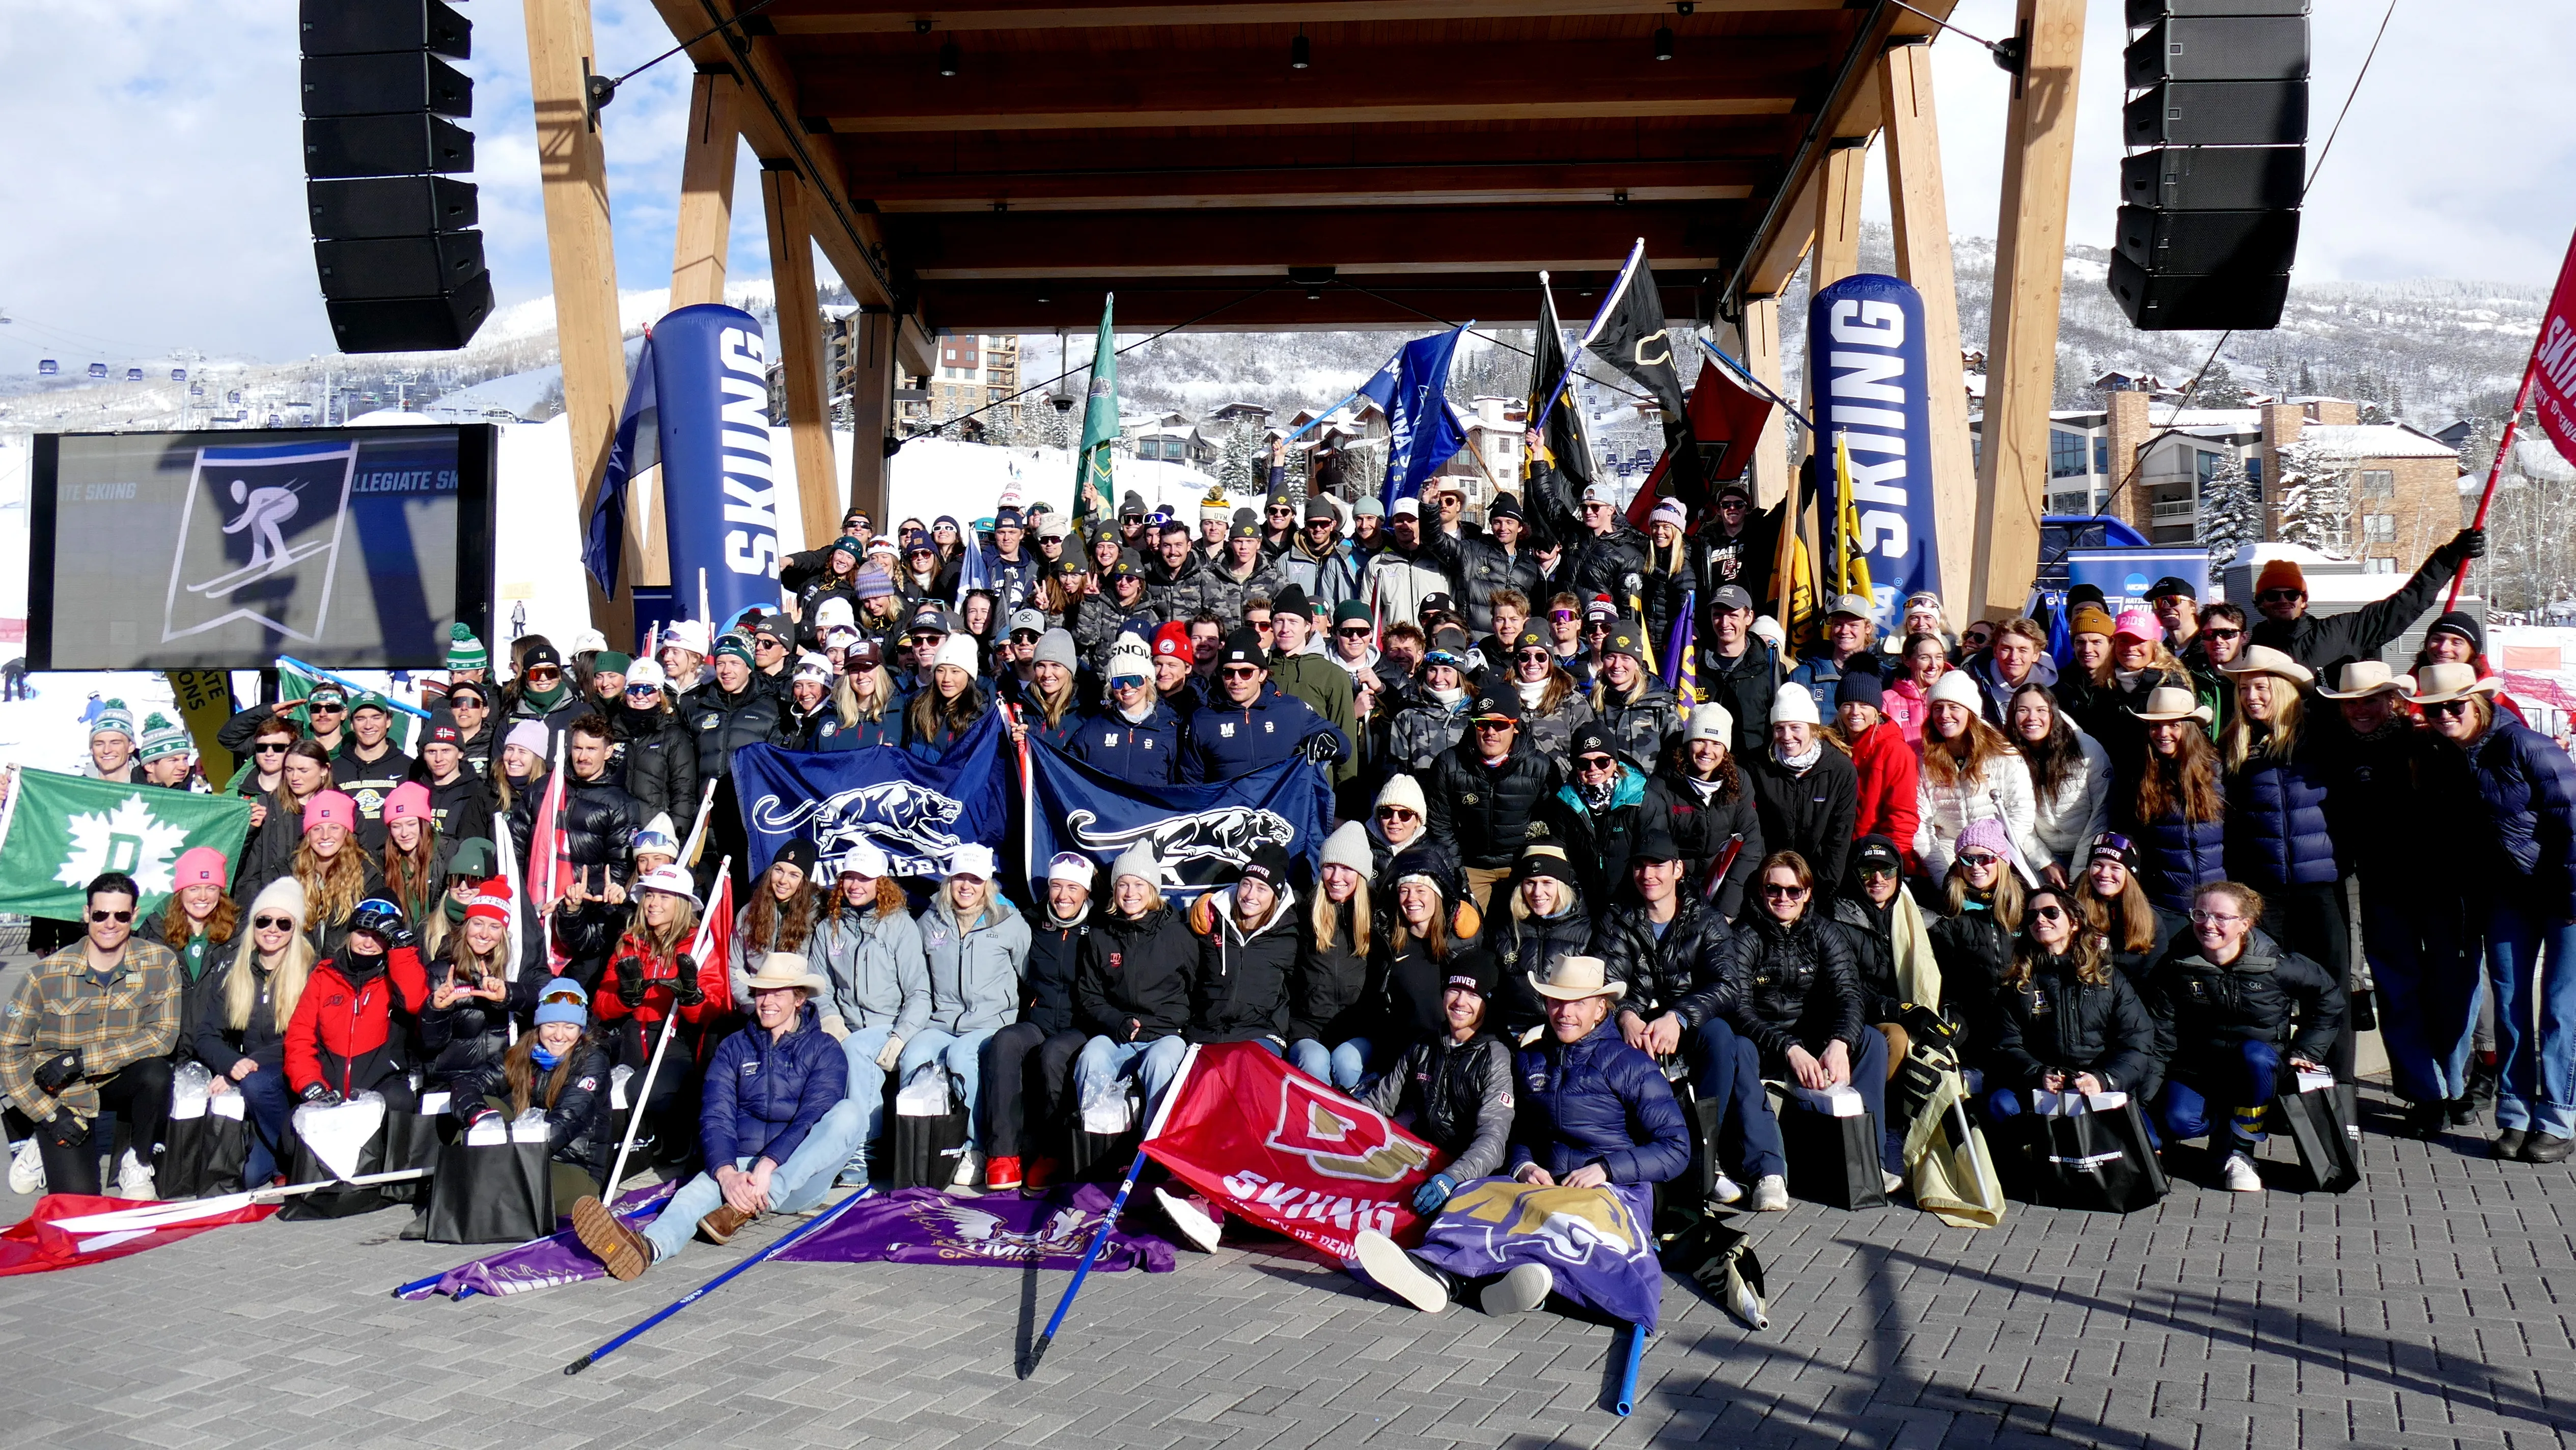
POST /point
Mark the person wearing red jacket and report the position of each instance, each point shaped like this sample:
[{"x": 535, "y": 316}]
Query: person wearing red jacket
[
  {"x": 347, "y": 1034},
  {"x": 651, "y": 979},
  {"x": 1887, "y": 765}
]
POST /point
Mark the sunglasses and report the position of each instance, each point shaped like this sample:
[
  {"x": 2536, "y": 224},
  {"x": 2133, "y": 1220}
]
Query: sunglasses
[
  {"x": 643, "y": 689},
  {"x": 273, "y": 923},
  {"x": 1393, "y": 813},
  {"x": 1262, "y": 625},
  {"x": 330, "y": 709},
  {"x": 1778, "y": 892},
  {"x": 2048, "y": 913},
  {"x": 1877, "y": 873},
  {"x": 1560, "y": 615},
  {"x": 1535, "y": 657},
  {"x": 1595, "y": 762},
  {"x": 1496, "y": 725},
  {"x": 2224, "y": 633},
  {"x": 545, "y": 672},
  {"x": 573, "y": 997},
  {"x": 1731, "y": 505},
  {"x": 269, "y": 749},
  {"x": 1356, "y": 631},
  {"x": 126, "y": 915},
  {"x": 1281, "y": 513},
  {"x": 2448, "y": 707},
  {"x": 1977, "y": 858},
  {"x": 1240, "y": 672},
  {"x": 468, "y": 702},
  {"x": 2280, "y": 596}
]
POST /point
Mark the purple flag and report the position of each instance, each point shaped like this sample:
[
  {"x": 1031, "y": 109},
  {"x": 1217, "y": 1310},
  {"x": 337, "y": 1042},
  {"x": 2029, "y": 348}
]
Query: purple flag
[
  {"x": 926, "y": 1226},
  {"x": 1594, "y": 1239},
  {"x": 541, "y": 1265}
]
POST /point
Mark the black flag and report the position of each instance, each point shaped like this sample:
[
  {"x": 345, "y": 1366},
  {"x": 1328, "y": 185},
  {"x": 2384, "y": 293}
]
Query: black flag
[
  {"x": 1632, "y": 334},
  {"x": 1559, "y": 458}
]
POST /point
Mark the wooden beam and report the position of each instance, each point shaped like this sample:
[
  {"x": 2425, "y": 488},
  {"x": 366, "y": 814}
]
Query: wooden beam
[
  {"x": 706, "y": 192},
  {"x": 1838, "y": 214},
  {"x": 801, "y": 355},
  {"x": 1922, "y": 217},
  {"x": 2030, "y": 275},
  {"x": 1759, "y": 333},
  {"x": 1732, "y": 148},
  {"x": 1038, "y": 245},
  {"x": 871, "y": 338},
  {"x": 1566, "y": 182},
  {"x": 1003, "y": 90},
  {"x": 889, "y": 17},
  {"x": 573, "y": 178},
  {"x": 1415, "y": 301}
]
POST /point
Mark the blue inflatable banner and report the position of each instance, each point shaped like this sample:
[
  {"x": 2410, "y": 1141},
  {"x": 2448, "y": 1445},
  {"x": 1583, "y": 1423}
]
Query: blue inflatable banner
[
  {"x": 916, "y": 811},
  {"x": 1865, "y": 352},
  {"x": 1201, "y": 833},
  {"x": 698, "y": 406}
]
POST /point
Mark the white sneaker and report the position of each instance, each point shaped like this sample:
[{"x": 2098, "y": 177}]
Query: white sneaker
[
  {"x": 1524, "y": 1288},
  {"x": 1198, "y": 1231},
  {"x": 1771, "y": 1194},
  {"x": 1890, "y": 1182},
  {"x": 2237, "y": 1175},
  {"x": 133, "y": 1180},
  {"x": 970, "y": 1169},
  {"x": 1389, "y": 1267},
  {"x": 27, "y": 1169},
  {"x": 1726, "y": 1191}
]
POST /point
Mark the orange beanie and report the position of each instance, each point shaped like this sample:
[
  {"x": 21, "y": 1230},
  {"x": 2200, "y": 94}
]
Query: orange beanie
[{"x": 2281, "y": 574}]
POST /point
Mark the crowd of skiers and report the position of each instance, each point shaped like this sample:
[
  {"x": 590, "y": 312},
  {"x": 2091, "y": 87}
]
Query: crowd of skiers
[{"x": 1569, "y": 868}]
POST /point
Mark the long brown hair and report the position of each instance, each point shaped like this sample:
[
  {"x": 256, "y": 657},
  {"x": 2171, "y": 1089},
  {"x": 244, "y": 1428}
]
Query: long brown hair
[
  {"x": 177, "y": 926},
  {"x": 2053, "y": 756},
  {"x": 2083, "y": 947},
  {"x": 2128, "y": 917},
  {"x": 410, "y": 875},
  {"x": 2184, "y": 784},
  {"x": 768, "y": 928},
  {"x": 1955, "y": 766},
  {"x": 927, "y": 712},
  {"x": 1400, "y": 932},
  {"x": 519, "y": 1071}
]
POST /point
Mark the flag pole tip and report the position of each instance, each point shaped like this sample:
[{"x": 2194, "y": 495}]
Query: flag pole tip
[{"x": 578, "y": 1365}]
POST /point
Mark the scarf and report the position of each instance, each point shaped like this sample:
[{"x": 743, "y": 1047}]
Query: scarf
[
  {"x": 1596, "y": 797},
  {"x": 1804, "y": 761},
  {"x": 1706, "y": 790},
  {"x": 1141, "y": 713},
  {"x": 1918, "y": 975},
  {"x": 545, "y": 700},
  {"x": 544, "y": 1060},
  {"x": 1447, "y": 699},
  {"x": 1530, "y": 692}
]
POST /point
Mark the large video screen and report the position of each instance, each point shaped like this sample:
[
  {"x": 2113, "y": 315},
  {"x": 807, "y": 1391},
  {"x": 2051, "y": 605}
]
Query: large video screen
[{"x": 342, "y": 547}]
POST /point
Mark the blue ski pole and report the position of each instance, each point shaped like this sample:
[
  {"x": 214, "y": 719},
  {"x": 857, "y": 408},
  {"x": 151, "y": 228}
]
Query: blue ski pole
[
  {"x": 710, "y": 1286},
  {"x": 1109, "y": 1220},
  {"x": 1628, "y": 1376}
]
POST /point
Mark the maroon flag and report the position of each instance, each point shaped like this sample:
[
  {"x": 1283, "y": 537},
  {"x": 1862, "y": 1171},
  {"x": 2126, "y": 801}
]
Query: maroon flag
[
  {"x": 2548, "y": 383},
  {"x": 67, "y": 1230}
]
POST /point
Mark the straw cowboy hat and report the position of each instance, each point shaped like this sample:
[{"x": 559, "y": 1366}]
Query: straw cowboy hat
[
  {"x": 786, "y": 969},
  {"x": 2262, "y": 659},
  {"x": 2435, "y": 684},
  {"x": 2172, "y": 702},
  {"x": 1571, "y": 979},
  {"x": 2364, "y": 678}
]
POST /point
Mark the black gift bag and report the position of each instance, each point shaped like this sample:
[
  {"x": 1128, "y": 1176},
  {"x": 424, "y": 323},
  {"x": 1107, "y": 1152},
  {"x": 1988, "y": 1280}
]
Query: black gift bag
[
  {"x": 1833, "y": 1161},
  {"x": 926, "y": 1149},
  {"x": 2325, "y": 1126},
  {"x": 342, "y": 1201},
  {"x": 2100, "y": 1159},
  {"x": 491, "y": 1193},
  {"x": 1705, "y": 1117},
  {"x": 203, "y": 1156}
]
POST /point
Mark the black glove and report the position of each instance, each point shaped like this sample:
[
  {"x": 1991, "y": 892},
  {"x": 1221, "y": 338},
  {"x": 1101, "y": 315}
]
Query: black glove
[
  {"x": 59, "y": 1072},
  {"x": 2472, "y": 543},
  {"x": 1320, "y": 748},
  {"x": 400, "y": 934},
  {"x": 687, "y": 990},
  {"x": 630, "y": 981},
  {"x": 321, "y": 1093}
]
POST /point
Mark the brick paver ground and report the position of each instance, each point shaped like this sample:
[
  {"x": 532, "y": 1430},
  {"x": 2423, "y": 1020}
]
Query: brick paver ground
[{"x": 2430, "y": 1307}]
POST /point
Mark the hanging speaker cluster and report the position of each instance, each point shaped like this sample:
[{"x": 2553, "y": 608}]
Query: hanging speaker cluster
[
  {"x": 394, "y": 243},
  {"x": 2209, "y": 214}
]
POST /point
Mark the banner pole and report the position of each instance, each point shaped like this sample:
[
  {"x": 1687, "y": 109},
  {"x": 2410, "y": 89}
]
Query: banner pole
[
  {"x": 1627, "y": 1402},
  {"x": 1109, "y": 1220},
  {"x": 710, "y": 1286},
  {"x": 2495, "y": 471}
]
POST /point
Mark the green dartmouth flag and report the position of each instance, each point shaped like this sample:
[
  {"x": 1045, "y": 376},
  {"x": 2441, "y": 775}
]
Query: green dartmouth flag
[
  {"x": 1095, "y": 493},
  {"x": 60, "y": 830}
]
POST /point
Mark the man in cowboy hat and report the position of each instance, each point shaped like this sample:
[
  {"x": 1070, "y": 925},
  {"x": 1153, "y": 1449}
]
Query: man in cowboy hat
[
  {"x": 2281, "y": 593},
  {"x": 777, "y": 1126}
]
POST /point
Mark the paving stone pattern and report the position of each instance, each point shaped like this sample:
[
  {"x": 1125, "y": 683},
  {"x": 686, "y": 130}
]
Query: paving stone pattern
[{"x": 2430, "y": 1307}]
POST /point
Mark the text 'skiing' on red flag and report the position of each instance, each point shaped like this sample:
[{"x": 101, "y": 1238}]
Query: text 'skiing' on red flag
[{"x": 1287, "y": 1152}]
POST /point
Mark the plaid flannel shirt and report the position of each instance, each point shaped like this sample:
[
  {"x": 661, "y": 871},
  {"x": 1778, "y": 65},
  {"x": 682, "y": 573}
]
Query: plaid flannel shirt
[{"x": 56, "y": 1009}]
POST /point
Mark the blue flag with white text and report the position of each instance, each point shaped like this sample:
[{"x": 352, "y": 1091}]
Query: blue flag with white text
[
  {"x": 918, "y": 812},
  {"x": 1201, "y": 833},
  {"x": 1422, "y": 430}
]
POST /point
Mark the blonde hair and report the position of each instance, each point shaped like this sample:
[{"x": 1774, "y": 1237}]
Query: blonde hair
[
  {"x": 294, "y": 966},
  {"x": 2007, "y": 901},
  {"x": 1324, "y": 917},
  {"x": 2280, "y": 738},
  {"x": 332, "y": 888}
]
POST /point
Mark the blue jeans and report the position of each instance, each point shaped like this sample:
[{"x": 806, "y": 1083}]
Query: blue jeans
[
  {"x": 2242, "y": 1086},
  {"x": 1868, "y": 1078},
  {"x": 1748, "y": 1136},
  {"x": 268, "y": 1108},
  {"x": 2428, "y": 976},
  {"x": 1104, "y": 1062},
  {"x": 2004, "y": 1105},
  {"x": 795, "y": 1185},
  {"x": 867, "y": 1094},
  {"x": 962, "y": 1054},
  {"x": 2536, "y": 1090},
  {"x": 1345, "y": 1067}
]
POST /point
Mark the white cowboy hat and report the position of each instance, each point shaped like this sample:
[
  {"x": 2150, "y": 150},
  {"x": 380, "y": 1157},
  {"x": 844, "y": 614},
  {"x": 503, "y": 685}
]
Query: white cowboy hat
[
  {"x": 2171, "y": 702},
  {"x": 2364, "y": 678},
  {"x": 2449, "y": 680},
  {"x": 2262, "y": 659},
  {"x": 1571, "y": 979},
  {"x": 786, "y": 969}
]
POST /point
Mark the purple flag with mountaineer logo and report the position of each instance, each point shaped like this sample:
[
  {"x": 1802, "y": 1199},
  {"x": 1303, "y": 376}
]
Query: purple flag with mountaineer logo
[
  {"x": 1593, "y": 1239},
  {"x": 926, "y": 1226},
  {"x": 540, "y": 1265}
]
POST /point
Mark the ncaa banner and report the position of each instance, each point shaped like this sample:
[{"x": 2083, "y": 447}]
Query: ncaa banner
[
  {"x": 915, "y": 811},
  {"x": 698, "y": 407},
  {"x": 1201, "y": 833},
  {"x": 1274, "y": 1145},
  {"x": 1865, "y": 352}
]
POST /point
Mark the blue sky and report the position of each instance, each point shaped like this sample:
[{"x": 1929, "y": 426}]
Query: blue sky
[{"x": 153, "y": 197}]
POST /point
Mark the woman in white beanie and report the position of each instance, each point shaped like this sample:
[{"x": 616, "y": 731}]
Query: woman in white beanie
[
  {"x": 1701, "y": 797},
  {"x": 1328, "y": 1007},
  {"x": 976, "y": 944},
  {"x": 1807, "y": 792},
  {"x": 1399, "y": 834},
  {"x": 1132, "y": 993},
  {"x": 943, "y": 714},
  {"x": 1970, "y": 773}
]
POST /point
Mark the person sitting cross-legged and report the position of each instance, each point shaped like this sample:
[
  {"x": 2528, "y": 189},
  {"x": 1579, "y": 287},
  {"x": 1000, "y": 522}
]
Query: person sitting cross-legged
[{"x": 777, "y": 1126}]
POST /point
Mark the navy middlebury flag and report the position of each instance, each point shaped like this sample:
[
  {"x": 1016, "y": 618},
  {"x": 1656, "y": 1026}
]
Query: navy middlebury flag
[
  {"x": 1201, "y": 833},
  {"x": 915, "y": 811}
]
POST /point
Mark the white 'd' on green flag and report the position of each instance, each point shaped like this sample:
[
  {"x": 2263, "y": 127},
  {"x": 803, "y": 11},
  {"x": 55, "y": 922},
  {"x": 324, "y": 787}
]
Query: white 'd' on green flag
[{"x": 62, "y": 830}]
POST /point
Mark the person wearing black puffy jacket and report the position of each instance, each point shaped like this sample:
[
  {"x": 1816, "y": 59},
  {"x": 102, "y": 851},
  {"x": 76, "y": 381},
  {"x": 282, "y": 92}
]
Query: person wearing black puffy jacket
[
  {"x": 2278, "y": 838},
  {"x": 1132, "y": 992},
  {"x": 723, "y": 715},
  {"x": 1701, "y": 797},
  {"x": 1248, "y": 954},
  {"x": 1785, "y": 984},
  {"x": 1547, "y": 921},
  {"x": 1028, "y": 1064},
  {"x": 558, "y": 1068},
  {"x": 1484, "y": 791},
  {"x": 1980, "y": 906},
  {"x": 2232, "y": 1007},
  {"x": 1331, "y": 1007},
  {"x": 651, "y": 752},
  {"x": 2067, "y": 1021}
]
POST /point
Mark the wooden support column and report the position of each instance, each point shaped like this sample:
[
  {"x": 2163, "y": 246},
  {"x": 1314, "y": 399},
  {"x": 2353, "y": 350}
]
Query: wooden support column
[
  {"x": 1838, "y": 213},
  {"x": 574, "y": 176},
  {"x": 2030, "y": 275},
  {"x": 1760, "y": 330},
  {"x": 706, "y": 191},
  {"x": 872, "y": 346},
  {"x": 1922, "y": 217},
  {"x": 801, "y": 355}
]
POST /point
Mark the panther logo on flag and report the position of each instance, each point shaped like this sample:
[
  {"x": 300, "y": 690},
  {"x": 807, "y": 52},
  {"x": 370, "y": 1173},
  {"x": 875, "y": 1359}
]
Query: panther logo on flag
[
  {"x": 1338, "y": 1136},
  {"x": 910, "y": 822},
  {"x": 1227, "y": 836}
]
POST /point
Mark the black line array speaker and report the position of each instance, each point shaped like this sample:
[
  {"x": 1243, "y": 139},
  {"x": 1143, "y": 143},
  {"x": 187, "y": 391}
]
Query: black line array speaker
[
  {"x": 2209, "y": 216},
  {"x": 394, "y": 244}
]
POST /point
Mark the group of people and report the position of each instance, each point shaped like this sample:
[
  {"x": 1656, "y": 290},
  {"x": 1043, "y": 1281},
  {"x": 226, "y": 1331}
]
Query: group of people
[{"x": 1570, "y": 872}]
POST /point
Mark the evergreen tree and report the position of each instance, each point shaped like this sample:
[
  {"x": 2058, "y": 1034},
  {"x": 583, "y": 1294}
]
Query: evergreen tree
[
  {"x": 2231, "y": 515},
  {"x": 2316, "y": 500},
  {"x": 1235, "y": 468},
  {"x": 2219, "y": 388}
]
